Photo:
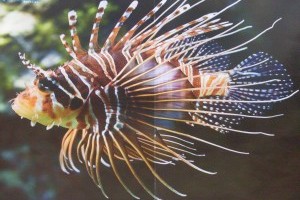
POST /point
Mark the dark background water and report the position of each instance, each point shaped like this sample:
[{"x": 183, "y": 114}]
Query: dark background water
[{"x": 29, "y": 167}]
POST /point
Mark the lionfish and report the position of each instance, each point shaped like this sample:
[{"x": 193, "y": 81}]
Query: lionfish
[{"x": 125, "y": 100}]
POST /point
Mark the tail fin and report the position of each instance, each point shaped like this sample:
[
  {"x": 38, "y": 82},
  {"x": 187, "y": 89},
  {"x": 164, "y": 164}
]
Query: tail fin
[
  {"x": 255, "y": 84},
  {"x": 261, "y": 80}
]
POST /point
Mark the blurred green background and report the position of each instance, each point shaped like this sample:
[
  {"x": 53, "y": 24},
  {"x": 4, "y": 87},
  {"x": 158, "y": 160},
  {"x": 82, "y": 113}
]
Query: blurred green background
[{"x": 29, "y": 167}]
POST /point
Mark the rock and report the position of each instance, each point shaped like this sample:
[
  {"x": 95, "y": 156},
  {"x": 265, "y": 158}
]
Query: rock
[{"x": 17, "y": 23}]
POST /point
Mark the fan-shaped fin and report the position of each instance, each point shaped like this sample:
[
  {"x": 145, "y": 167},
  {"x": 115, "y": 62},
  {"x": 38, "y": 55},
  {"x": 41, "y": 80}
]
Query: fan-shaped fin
[{"x": 255, "y": 84}]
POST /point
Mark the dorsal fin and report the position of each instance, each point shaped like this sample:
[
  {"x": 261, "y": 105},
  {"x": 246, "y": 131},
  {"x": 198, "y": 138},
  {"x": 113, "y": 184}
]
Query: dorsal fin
[
  {"x": 132, "y": 31},
  {"x": 93, "y": 45},
  {"x": 72, "y": 17},
  {"x": 111, "y": 38}
]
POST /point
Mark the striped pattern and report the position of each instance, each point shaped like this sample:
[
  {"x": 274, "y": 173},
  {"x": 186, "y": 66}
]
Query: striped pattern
[
  {"x": 215, "y": 84},
  {"x": 130, "y": 33},
  {"x": 111, "y": 38},
  {"x": 93, "y": 45},
  {"x": 124, "y": 101},
  {"x": 72, "y": 17}
]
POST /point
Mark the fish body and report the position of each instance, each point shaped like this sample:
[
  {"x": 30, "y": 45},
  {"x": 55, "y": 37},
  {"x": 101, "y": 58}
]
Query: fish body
[{"x": 124, "y": 100}]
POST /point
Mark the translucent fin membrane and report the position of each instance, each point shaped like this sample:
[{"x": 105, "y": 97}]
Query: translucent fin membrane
[
  {"x": 156, "y": 82},
  {"x": 215, "y": 64},
  {"x": 257, "y": 83},
  {"x": 111, "y": 38}
]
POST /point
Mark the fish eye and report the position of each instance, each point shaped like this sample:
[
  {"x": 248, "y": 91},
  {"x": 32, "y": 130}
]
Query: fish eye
[
  {"x": 75, "y": 103},
  {"x": 46, "y": 84}
]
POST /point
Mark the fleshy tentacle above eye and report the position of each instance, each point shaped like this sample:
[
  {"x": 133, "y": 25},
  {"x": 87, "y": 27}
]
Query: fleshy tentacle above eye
[{"x": 37, "y": 70}]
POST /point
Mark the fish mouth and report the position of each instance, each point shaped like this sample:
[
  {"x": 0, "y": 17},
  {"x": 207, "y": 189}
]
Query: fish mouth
[
  {"x": 22, "y": 108},
  {"x": 28, "y": 104},
  {"x": 25, "y": 105}
]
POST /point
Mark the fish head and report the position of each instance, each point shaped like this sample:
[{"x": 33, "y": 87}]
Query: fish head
[{"x": 48, "y": 103}]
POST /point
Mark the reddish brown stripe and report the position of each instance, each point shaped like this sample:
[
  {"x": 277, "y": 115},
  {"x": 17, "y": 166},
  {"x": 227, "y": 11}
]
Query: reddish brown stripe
[{"x": 47, "y": 107}]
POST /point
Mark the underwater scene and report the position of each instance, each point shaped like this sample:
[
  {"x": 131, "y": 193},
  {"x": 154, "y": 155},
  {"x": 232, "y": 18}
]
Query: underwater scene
[{"x": 149, "y": 99}]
